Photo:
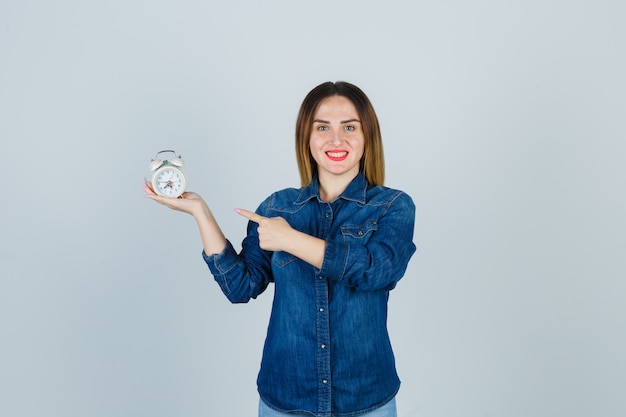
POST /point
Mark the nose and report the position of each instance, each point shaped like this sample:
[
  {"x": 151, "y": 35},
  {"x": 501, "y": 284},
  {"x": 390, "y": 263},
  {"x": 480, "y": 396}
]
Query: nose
[{"x": 335, "y": 137}]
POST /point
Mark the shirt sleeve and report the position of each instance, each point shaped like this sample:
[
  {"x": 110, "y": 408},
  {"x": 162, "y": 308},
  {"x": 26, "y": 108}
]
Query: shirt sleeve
[
  {"x": 382, "y": 261},
  {"x": 245, "y": 275}
]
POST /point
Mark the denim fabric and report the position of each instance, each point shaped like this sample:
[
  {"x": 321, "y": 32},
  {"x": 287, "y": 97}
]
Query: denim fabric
[
  {"x": 327, "y": 350},
  {"x": 387, "y": 410}
]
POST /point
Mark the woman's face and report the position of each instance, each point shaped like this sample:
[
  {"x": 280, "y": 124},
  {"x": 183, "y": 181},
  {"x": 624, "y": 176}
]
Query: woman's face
[{"x": 337, "y": 142}]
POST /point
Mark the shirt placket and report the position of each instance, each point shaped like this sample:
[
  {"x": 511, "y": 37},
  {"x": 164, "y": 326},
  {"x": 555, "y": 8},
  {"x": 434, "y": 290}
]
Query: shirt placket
[{"x": 323, "y": 325}]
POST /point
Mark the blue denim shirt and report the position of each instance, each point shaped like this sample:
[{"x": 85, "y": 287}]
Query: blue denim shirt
[{"x": 327, "y": 350}]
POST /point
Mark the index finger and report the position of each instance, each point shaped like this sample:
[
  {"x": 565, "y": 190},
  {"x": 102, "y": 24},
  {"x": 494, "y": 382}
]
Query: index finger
[{"x": 250, "y": 215}]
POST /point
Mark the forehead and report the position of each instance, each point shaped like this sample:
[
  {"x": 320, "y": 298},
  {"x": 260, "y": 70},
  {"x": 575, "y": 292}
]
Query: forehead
[{"x": 336, "y": 107}]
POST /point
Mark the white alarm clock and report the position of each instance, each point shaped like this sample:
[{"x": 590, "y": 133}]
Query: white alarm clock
[{"x": 168, "y": 179}]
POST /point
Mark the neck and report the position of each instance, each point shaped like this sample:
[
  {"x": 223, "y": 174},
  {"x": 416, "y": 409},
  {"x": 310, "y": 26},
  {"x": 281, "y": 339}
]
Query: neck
[{"x": 331, "y": 186}]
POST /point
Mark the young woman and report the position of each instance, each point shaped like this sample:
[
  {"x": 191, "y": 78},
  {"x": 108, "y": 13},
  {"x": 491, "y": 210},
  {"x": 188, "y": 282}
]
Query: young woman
[{"x": 333, "y": 248}]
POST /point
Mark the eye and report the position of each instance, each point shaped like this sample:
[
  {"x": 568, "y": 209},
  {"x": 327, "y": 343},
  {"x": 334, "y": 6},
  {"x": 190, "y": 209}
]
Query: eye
[
  {"x": 350, "y": 128},
  {"x": 322, "y": 128}
]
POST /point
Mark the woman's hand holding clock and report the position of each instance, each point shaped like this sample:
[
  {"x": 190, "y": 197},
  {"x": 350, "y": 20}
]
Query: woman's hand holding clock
[
  {"x": 213, "y": 239},
  {"x": 188, "y": 202}
]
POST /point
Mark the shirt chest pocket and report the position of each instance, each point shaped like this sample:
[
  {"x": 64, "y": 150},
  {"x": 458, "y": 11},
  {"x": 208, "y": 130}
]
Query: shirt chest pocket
[
  {"x": 359, "y": 234},
  {"x": 282, "y": 259}
]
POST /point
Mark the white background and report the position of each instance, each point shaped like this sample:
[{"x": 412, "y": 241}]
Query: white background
[{"x": 504, "y": 120}]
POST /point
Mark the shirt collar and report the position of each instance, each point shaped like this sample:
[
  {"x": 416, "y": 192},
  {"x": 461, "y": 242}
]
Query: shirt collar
[{"x": 355, "y": 191}]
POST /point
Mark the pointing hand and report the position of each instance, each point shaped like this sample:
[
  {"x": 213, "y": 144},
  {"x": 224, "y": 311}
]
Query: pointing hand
[{"x": 274, "y": 232}]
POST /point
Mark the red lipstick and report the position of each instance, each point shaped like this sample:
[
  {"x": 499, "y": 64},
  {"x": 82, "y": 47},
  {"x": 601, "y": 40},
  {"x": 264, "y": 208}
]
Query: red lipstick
[{"x": 337, "y": 154}]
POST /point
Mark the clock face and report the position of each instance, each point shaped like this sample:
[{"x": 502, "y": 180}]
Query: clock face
[{"x": 169, "y": 181}]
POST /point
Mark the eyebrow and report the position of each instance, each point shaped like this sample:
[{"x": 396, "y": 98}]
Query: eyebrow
[{"x": 343, "y": 122}]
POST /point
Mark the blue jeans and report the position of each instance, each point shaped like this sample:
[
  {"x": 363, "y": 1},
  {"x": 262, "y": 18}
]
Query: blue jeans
[{"x": 387, "y": 410}]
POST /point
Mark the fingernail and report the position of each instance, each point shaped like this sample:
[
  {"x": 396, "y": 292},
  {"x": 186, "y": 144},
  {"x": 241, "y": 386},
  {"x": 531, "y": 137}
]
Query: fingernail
[{"x": 237, "y": 210}]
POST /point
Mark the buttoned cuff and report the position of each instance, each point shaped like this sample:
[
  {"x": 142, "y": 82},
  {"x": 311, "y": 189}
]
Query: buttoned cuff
[{"x": 222, "y": 262}]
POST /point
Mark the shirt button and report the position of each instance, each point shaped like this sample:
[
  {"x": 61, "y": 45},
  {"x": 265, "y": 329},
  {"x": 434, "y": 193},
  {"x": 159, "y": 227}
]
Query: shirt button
[
  {"x": 321, "y": 309},
  {"x": 327, "y": 215},
  {"x": 323, "y": 346},
  {"x": 324, "y": 381}
]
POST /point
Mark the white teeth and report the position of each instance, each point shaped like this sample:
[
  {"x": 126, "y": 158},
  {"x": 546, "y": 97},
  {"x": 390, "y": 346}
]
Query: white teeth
[{"x": 337, "y": 154}]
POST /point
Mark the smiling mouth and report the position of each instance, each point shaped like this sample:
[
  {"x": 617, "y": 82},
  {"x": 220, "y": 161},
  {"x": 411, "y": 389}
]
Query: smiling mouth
[{"x": 337, "y": 155}]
